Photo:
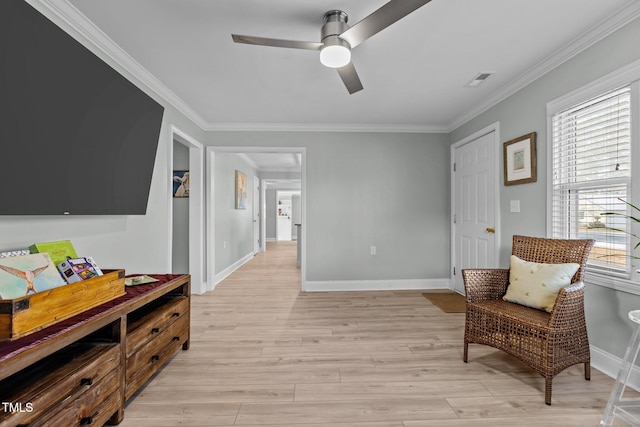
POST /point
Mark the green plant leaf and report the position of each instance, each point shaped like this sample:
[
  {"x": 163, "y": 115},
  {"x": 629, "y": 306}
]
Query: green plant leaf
[{"x": 631, "y": 218}]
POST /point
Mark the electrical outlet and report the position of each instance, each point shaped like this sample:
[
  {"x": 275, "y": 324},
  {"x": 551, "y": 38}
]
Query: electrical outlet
[{"x": 373, "y": 250}]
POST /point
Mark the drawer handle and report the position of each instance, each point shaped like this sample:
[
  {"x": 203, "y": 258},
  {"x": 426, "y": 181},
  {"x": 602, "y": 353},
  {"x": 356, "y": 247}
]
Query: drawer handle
[
  {"x": 87, "y": 420},
  {"x": 155, "y": 330},
  {"x": 155, "y": 358},
  {"x": 175, "y": 315},
  {"x": 176, "y": 338},
  {"x": 84, "y": 421}
]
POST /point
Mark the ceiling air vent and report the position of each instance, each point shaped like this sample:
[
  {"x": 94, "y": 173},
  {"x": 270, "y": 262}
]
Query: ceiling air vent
[{"x": 479, "y": 78}]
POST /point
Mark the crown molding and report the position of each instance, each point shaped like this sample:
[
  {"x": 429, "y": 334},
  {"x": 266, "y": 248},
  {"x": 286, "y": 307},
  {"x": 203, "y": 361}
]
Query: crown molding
[
  {"x": 614, "y": 22},
  {"x": 260, "y": 169},
  {"x": 248, "y": 161},
  {"x": 279, "y": 170},
  {"x": 310, "y": 127},
  {"x": 96, "y": 39}
]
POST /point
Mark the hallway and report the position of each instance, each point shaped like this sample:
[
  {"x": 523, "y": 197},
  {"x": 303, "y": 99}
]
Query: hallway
[{"x": 262, "y": 353}]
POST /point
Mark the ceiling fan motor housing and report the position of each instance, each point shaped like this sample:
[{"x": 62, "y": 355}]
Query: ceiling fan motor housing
[
  {"x": 335, "y": 23},
  {"x": 336, "y": 52}
]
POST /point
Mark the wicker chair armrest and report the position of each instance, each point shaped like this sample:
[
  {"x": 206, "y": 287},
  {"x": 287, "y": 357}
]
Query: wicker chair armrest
[
  {"x": 569, "y": 307},
  {"x": 481, "y": 284}
]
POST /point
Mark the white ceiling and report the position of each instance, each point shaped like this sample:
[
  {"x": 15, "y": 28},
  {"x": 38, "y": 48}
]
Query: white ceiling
[{"x": 413, "y": 72}]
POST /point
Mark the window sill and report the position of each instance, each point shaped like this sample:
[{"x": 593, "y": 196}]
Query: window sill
[{"x": 616, "y": 283}]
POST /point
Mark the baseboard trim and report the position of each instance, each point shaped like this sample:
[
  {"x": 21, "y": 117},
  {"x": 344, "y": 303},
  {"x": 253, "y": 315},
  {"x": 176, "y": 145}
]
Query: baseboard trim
[
  {"x": 609, "y": 364},
  {"x": 271, "y": 239},
  {"x": 233, "y": 267},
  {"x": 375, "y": 285}
]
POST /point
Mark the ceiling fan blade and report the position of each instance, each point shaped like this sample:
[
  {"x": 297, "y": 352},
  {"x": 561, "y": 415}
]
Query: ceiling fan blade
[
  {"x": 380, "y": 19},
  {"x": 350, "y": 78},
  {"x": 264, "y": 41}
]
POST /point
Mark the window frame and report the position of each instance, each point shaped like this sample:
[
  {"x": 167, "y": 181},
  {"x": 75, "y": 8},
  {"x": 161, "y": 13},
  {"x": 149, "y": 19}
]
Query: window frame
[{"x": 626, "y": 76}]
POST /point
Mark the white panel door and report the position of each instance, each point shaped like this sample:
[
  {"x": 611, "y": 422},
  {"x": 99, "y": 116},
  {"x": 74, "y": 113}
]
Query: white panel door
[{"x": 474, "y": 220}]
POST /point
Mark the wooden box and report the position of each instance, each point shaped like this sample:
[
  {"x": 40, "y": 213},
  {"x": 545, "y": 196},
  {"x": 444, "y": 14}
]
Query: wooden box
[{"x": 28, "y": 314}]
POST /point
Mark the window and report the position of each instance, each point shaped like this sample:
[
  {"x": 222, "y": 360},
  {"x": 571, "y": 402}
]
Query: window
[{"x": 591, "y": 177}]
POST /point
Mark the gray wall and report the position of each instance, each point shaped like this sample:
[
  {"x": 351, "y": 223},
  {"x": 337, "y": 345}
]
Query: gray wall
[
  {"x": 364, "y": 189},
  {"x": 271, "y": 218},
  {"x": 137, "y": 243},
  {"x": 180, "y": 241},
  {"x": 296, "y": 214},
  {"x": 525, "y": 112},
  {"x": 233, "y": 227}
]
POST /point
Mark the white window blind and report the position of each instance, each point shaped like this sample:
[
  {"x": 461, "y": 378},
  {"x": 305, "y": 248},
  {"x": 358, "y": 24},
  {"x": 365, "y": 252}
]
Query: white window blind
[{"x": 592, "y": 175}]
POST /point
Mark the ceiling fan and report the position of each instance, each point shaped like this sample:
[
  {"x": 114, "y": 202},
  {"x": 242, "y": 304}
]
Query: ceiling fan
[{"x": 337, "y": 38}]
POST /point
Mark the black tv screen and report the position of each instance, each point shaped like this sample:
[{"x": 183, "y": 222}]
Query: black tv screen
[{"x": 76, "y": 137}]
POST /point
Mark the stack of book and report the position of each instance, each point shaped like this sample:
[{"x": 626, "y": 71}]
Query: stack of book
[
  {"x": 77, "y": 269},
  {"x": 27, "y": 271}
]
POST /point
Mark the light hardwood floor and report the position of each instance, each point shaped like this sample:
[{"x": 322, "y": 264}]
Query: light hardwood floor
[{"x": 263, "y": 353}]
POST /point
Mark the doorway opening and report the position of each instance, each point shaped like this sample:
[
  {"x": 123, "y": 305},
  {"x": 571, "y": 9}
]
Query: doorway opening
[
  {"x": 233, "y": 236},
  {"x": 287, "y": 214},
  {"x": 186, "y": 252},
  {"x": 180, "y": 198}
]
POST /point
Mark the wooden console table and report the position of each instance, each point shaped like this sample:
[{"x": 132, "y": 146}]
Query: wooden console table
[{"x": 82, "y": 370}]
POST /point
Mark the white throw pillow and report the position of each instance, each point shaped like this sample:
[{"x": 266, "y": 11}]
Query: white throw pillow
[{"x": 537, "y": 285}]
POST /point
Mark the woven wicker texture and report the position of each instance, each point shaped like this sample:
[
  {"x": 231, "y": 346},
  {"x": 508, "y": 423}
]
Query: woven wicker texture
[{"x": 547, "y": 342}]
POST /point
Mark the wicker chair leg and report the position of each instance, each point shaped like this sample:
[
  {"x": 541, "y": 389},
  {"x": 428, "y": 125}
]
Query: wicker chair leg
[
  {"x": 587, "y": 371},
  {"x": 466, "y": 351},
  {"x": 547, "y": 390}
]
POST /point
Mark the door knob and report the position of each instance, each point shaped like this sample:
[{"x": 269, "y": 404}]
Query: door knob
[{"x": 490, "y": 230}]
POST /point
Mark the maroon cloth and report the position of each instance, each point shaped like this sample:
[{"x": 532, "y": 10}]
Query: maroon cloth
[{"x": 10, "y": 349}]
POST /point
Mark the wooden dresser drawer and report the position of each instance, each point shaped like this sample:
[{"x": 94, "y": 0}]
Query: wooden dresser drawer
[
  {"x": 84, "y": 372},
  {"x": 151, "y": 325},
  {"x": 93, "y": 407},
  {"x": 142, "y": 364}
]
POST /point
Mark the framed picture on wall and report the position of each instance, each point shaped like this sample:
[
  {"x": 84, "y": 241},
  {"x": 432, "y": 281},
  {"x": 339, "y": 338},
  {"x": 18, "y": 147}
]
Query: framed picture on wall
[
  {"x": 180, "y": 181},
  {"x": 241, "y": 190},
  {"x": 520, "y": 160}
]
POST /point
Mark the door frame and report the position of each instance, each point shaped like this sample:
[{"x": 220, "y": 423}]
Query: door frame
[
  {"x": 285, "y": 184},
  {"x": 210, "y": 201},
  {"x": 197, "y": 264},
  {"x": 277, "y": 216},
  {"x": 494, "y": 127},
  {"x": 278, "y": 192}
]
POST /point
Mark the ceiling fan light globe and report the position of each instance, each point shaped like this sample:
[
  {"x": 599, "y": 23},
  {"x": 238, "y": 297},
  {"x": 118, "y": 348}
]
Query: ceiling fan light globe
[{"x": 335, "y": 56}]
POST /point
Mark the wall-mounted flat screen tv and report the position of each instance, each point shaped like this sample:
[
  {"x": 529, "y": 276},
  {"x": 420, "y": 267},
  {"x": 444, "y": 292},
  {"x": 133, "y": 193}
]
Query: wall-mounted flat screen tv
[{"x": 76, "y": 137}]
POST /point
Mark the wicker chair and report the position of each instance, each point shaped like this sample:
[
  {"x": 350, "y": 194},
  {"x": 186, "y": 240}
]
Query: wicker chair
[{"x": 547, "y": 342}]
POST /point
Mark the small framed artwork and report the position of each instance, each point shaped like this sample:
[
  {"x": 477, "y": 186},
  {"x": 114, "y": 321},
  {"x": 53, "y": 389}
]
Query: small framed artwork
[
  {"x": 520, "y": 160},
  {"x": 241, "y": 190},
  {"x": 180, "y": 181}
]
